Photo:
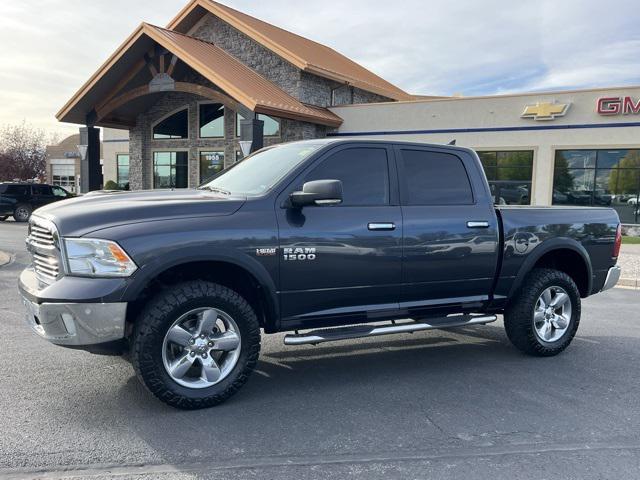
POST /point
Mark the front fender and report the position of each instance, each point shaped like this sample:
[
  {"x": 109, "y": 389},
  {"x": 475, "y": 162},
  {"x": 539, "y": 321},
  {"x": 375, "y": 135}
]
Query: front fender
[{"x": 176, "y": 257}]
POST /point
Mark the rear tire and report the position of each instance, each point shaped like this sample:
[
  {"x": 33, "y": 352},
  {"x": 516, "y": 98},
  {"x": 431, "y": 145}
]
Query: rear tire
[
  {"x": 544, "y": 316},
  {"x": 192, "y": 324},
  {"x": 3, "y": 218},
  {"x": 22, "y": 213}
]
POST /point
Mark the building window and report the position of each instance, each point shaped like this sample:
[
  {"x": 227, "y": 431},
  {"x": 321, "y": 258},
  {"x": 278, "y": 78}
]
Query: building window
[
  {"x": 599, "y": 178},
  {"x": 175, "y": 126},
  {"x": 271, "y": 125},
  {"x": 64, "y": 176},
  {"x": 211, "y": 163},
  {"x": 122, "y": 161},
  {"x": 211, "y": 120},
  {"x": 510, "y": 175},
  {"x": 170, "y": 169}
]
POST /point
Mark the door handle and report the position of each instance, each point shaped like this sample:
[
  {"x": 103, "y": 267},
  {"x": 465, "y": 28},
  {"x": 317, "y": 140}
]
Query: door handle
[
  {"x": 479, "y": 224},
  {"x": 382, "y": 226}
]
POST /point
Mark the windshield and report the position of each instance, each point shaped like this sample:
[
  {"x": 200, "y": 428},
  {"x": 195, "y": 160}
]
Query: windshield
[{"x": 259, "y": 172}]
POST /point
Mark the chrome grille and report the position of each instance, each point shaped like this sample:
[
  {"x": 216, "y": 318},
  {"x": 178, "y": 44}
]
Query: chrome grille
[{"x": 43, "y": 244}]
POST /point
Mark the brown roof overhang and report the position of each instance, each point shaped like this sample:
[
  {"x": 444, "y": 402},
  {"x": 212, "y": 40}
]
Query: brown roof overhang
[
  {"x": 239, "y": 81},
  {"x": 305, "y": 54}
]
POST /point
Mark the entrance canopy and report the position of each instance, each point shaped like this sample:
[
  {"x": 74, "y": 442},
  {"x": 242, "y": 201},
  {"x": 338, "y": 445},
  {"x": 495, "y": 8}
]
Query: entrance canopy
[{"x": 151, "y": 61}]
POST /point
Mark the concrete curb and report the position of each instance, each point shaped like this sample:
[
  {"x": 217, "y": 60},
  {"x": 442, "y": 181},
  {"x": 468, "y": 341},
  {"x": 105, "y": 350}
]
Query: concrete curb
[{"x": 4, "y": 258}]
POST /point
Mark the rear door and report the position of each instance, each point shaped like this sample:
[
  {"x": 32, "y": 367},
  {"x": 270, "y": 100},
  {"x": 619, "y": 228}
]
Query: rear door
[
  {"x": 343, "y": 259},
  {"x": 450, "y": 242},
  {"x": 41, "y": 195}
]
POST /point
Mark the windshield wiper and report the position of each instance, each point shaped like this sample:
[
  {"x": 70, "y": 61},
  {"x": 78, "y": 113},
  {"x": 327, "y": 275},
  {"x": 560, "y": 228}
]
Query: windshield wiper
[{"x": 215, "y": 190}]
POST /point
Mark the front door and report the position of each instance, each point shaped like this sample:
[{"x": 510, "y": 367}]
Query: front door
[
  {"x": 450, "y": 228},
  {"x": 344, "y": 259}
]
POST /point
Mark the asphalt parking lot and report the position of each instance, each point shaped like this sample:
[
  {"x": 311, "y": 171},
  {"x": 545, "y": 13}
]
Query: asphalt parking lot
[{"x": 443, "y": 404}]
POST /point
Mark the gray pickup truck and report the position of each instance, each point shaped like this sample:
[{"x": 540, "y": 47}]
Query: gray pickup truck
[{"x": 327, "y": 240}]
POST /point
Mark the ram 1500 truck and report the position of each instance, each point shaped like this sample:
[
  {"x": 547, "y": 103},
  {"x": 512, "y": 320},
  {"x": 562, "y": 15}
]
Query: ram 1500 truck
[{"x": 326, "y": 239}]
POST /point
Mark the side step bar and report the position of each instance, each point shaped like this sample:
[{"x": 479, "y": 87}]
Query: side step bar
[{"x": 359, "y": 331}]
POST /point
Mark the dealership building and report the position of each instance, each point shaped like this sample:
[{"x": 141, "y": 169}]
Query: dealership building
[{"x": 215, "y": 84}]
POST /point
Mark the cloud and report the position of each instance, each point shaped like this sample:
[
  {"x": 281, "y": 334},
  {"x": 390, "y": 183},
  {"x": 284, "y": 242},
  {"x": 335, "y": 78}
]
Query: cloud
[{"x": 440, "y": 47}]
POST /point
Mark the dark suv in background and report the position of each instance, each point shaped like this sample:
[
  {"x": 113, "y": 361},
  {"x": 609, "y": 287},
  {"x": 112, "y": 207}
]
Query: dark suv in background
[{"x": 19, "y": 199}]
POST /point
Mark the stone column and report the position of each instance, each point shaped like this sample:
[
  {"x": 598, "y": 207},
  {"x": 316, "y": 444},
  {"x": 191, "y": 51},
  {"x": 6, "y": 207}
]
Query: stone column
[{"x": 90, "y": 169}]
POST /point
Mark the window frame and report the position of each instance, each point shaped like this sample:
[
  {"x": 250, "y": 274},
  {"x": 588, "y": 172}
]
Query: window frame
[
  {"x": 118, "y": 155},
  {"x": 402, "y": 176},
  {"x": 224, "y": 121},
  {"x": 153, "y": 166},
  {"x": 167, "y": 115},
  {"x": 325, "y": 153},
  {"x": 210, "y": 150},
  {"x": 593, "y": 170},
  {"x": 237, "y": 126}
]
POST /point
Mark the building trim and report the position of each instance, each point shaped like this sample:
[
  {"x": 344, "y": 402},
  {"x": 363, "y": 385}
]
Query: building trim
[{"x": 485, "y": 129}]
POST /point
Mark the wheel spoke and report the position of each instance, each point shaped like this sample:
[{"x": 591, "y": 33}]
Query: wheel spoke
[
  {"x": 227, "y": 341},
  {"x": 179, "y": 336},
  {"x": 180, "y": 366},
  {"x": 559, "y": 300},
  {"x": 545, "y": 331},
  {"x": 560, "y": 322},
  {"x": 210, "y": 370},
  {"x": 545, "y": 298},
  {"x": 538, "y": 316},
  {"x": 208, "y": 321}
]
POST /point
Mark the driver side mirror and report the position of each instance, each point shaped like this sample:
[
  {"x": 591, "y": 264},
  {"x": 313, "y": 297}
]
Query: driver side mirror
[{"x": 318, "y": 192}]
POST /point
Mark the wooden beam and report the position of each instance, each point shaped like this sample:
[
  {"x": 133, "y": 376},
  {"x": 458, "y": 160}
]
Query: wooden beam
[
  {"x": 185, "y": 87},
  {"x": 161, "y": 69},
  {"x": 139, "y": 65},
  {"x": 172, "y": 65}
]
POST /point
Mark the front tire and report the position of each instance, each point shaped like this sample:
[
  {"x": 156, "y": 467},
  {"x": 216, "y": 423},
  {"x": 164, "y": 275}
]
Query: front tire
[
  {"x": 195, "y": 344},
  {"x": 544, "y": 316}
]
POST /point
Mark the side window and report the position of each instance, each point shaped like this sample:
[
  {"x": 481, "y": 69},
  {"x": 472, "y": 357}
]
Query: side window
[
  {"x": 59, "y": 192},
  {"x": 364, "y": 173},
  {"x": 16, "y": 190},
  {"x": 433, "y": 178},
  {"x": 41, "y": 190}
]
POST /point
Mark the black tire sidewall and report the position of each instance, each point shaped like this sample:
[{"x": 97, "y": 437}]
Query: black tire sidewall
[
  {"x": 519, "y": 321},
  {"x": 150, "y": 332},
  {"x": 18, "y": 207}
]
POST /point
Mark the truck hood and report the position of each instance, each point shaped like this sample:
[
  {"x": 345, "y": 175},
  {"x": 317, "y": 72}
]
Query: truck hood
[{"x": 82, "y": 215}]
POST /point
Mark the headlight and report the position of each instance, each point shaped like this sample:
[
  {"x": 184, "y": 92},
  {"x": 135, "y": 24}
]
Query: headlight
[{"x": 97, "y": 258}]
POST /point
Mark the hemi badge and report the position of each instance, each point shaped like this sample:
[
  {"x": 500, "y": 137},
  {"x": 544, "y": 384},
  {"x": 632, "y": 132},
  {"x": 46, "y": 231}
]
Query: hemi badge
[{"x": 265, "y": 252}]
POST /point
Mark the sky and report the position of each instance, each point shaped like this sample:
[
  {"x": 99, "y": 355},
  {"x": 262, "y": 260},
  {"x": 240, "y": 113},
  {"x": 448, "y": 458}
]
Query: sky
[{"x": 49, "y": 48}]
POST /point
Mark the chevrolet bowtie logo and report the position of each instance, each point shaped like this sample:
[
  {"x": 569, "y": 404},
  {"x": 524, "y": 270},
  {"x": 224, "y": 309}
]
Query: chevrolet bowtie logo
[{"x": 545, "y": 110}]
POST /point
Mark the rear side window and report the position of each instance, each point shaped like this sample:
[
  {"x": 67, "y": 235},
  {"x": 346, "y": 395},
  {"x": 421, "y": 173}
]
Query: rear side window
[
  {"x": 16, "y": 190},
  {"x": 41, "y": 190},
  {"x": 364, "y": 173},
  {"x": 433, "y": 178}
]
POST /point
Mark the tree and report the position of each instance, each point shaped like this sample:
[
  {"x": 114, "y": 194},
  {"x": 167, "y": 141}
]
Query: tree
[
  {"x": 22, "y": 152},
  {"x": 626, "y": 181}
]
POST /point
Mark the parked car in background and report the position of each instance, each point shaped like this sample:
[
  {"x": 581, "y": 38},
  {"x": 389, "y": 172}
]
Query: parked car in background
[{"x": 19, "y": 199}]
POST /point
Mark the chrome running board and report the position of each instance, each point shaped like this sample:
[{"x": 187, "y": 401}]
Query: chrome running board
[{"x": 359, "y": 331}]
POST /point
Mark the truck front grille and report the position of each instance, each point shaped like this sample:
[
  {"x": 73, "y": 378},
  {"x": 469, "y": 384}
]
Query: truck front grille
[{"x": 44, "y": 245}]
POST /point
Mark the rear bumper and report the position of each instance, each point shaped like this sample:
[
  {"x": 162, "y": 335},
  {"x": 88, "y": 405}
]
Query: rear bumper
[{"x": 612, "y": 278}]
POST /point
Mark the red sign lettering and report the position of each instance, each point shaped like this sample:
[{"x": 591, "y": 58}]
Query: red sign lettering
[{"x": 618, "y": 106}]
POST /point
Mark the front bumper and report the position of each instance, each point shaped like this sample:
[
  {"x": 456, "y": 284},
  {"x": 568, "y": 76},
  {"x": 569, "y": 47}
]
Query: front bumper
[
  {"x": 76, "y": 324},
  {"x": 612, "y": 278}
]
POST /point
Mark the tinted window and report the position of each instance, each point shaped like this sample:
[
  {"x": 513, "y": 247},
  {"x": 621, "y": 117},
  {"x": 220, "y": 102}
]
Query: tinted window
[
  {"x": 175, "y": 126},
  {"x": 16, "y": 190},
  {"x": 211, "y": 120},
  {"x": 41, "y": 190},
  {"x": 432, "y": 178},
  {"x": 364, "y": 174}
]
